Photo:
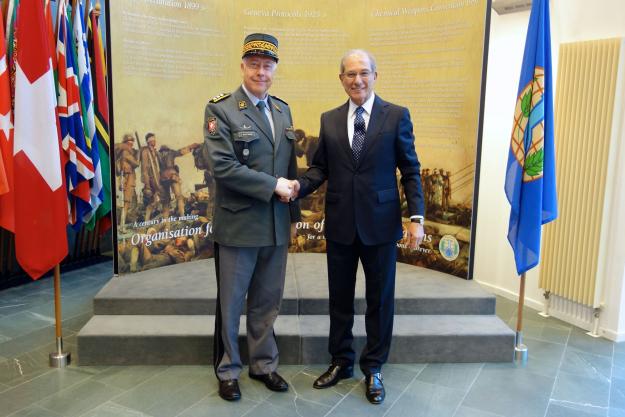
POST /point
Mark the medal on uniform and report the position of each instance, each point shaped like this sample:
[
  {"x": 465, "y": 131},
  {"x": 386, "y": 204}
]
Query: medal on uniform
[{"x": 242, "y": 105}]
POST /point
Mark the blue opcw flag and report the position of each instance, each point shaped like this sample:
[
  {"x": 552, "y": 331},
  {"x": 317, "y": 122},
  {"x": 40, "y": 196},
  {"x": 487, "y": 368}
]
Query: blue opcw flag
[{"x": 531, "y": 173}]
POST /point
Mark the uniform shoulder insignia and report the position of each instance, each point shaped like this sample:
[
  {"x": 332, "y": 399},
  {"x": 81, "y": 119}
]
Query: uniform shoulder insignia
[
  {"x": 219, "y": 97},
  {"x": 280, "y": 100}
]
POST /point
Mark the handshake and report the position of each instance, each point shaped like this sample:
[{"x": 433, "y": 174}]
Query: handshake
[{"x": 287, "y": 190}]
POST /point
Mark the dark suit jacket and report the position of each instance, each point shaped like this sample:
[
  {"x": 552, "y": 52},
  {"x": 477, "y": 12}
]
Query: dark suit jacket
[
  {"x": 245, "y": 161},
  {"x": 363, "y": 197}
]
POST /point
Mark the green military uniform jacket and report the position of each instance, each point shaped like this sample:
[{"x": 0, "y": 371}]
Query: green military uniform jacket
[{"x": 246, "y": 163}]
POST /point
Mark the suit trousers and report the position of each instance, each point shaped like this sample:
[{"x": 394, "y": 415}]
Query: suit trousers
[
  {"x": 258, "y": 272},
  {"x": 379, "y": 264}
]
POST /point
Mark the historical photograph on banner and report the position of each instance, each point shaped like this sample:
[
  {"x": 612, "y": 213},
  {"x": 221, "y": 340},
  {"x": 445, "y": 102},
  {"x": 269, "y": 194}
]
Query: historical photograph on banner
[{"x": 169, "y": 58}]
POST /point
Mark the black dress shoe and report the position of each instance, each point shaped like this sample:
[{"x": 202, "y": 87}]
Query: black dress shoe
[
  {"x": 333, "y": 375},
  {"x": 229, "y": 390},
  {"x": 375, "y": 388},
  {"x": 273, "y": 381}
]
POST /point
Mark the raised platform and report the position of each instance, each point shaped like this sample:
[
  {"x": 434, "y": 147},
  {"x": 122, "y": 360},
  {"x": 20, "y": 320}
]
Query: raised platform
[{"x": 164, "y": 316}]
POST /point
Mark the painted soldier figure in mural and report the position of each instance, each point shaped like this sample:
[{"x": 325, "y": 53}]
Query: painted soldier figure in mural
[
  {"x": 437, "y": 189},
  {"x": 126, "y": 163},
  {"x": 446, "y": 190},
  {"x": 428, "y": 191},
  {"x": 150, "y": 175},
  {"x": 170, "y": 177}
]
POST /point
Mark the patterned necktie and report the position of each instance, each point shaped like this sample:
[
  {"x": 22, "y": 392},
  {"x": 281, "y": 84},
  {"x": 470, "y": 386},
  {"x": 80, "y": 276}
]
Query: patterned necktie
[
  {"x": 261, "y": 107},
  {"x": 359, "y": 134}
]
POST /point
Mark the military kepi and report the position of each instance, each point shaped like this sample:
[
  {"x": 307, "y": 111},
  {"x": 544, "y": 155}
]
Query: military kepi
[{"x": 260, "y": 44}]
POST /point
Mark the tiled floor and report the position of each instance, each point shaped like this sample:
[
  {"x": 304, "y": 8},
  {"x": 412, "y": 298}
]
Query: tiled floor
[{"x": 568, "y": 374}]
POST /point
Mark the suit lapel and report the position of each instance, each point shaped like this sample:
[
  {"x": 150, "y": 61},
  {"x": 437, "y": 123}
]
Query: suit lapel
[
  {"x": 341, "y": 133},
  {"x": 252, "y": 113},
  {"x": 376, "y": 121}
]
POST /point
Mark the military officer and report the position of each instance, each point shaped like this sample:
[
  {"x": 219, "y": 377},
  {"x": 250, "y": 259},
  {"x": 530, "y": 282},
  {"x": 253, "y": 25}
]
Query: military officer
[{"x": 250, "y": 139}]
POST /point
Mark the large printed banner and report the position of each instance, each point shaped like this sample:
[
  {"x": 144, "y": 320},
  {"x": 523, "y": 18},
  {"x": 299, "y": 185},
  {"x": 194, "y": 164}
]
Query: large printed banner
[{"x": 169, "y": 57}]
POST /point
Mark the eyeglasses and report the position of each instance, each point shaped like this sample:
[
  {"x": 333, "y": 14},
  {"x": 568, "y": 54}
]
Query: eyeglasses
[{"x": 353, "y": 75}]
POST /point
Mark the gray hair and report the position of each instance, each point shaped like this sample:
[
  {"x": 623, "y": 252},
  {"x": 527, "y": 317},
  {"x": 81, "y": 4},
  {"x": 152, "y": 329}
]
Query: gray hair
[{"x": 358, "y": 52}]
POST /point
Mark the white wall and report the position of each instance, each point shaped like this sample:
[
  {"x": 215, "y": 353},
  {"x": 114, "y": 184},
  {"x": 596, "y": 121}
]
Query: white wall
[{"x": 571, "y": 21}]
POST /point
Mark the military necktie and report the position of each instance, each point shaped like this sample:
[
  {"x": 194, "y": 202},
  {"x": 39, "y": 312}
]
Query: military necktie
[
  {"x": 359, "y": 134},
  {"x": 261, "y": 107}
]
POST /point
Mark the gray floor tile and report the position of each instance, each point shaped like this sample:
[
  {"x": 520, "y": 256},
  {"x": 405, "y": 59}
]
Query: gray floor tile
[
  {"x": 618, "y": 365},
  {"x": 110, "y": 409},
  {"x": 542, "y": 329},
  {"x": 35, "y": 411},
  {"x": 544, "y": 358},
  {"x": 39, "y": 388},
  {"x": 213, "y": 405},
  {"x": 581, "y": 390},
  {"x": 28, "y": 342},
  {"x": 127, "y": 377},
  {"x": 617, "y": 393},
  {"x": 560, "y": 409},
  {"x": 269, "y": 410},
  {"x": 302, "y": 394},
  {"x": 170, "y": 392},
  {"x": 427, "y": 400},
  {"x": 619, "y": 347},
  {"x": 598, "y": 346},
  {"x": 80, "y": 398},
  {"x": 465, "y": 411},
  {"x": 21, "y": 323},
  {"x": 293, "y": 406},
  {"x": 586, "y": 364},
  {"x": 459, "y": 376},
  {"x": 616, "y": 412},
  {"x": 511, "y": 393}
]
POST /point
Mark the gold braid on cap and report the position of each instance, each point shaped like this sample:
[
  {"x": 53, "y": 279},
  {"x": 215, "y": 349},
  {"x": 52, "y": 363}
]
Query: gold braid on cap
[{"x": 262, "y": 45}]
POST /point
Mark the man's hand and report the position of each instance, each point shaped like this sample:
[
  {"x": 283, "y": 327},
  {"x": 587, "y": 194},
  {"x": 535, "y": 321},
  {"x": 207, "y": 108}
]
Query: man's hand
[
  {"x": 415, "y": 234},
  {"x": 284, "y": 188},
  {"x": 294, "y": 192}
]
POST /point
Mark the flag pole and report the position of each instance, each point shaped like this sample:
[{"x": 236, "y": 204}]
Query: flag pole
[
  {"x": 520, "y": 350},
  {"x": 58, "y": 359}
]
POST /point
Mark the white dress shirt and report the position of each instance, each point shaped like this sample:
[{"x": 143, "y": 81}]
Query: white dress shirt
[{"x": 351, "y": 116}]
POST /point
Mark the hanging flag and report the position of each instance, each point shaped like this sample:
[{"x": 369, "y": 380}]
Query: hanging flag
[
  {"x": 79, "y": 168},
  {"x": 98, "y": 73},
  {"x": 11, "y": 45},
  {"x": 40, "y": 198},
  {"x": 86, "y": 96},
  {"x": 7, "y": 201},
  {"x": 530, "y": 176},
  {"x": 51, "y": 36}
]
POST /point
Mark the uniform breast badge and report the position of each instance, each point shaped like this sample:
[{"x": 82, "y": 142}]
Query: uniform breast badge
[{"x": 211, "y": 125}]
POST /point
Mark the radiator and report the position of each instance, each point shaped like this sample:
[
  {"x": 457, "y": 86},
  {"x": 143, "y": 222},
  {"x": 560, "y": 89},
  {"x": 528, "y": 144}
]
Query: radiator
[{"x": 574, "y": 245}]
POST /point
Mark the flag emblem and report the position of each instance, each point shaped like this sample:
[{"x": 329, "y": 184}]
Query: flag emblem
[
  {"x": 528, "y": 133},
  {"x": 211, "y": 125}
]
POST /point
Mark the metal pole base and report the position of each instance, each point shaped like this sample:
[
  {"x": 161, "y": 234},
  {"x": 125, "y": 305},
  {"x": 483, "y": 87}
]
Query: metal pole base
[
  {"x": 520, "y": 354},
  {"x": 543, "y": 314},
  {"x": 592, "y": 334},
  {"x": 60, "y": 359},
  {"x": 520, "y": 350}
]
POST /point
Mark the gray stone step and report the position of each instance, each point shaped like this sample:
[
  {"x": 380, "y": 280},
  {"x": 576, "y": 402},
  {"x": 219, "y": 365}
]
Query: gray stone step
[
  {"x": 182, "y": 340},
  {"x": 191, "y": 289}
]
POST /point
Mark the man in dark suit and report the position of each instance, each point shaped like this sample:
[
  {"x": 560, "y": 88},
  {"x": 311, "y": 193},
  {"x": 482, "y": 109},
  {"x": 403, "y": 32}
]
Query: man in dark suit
[
  {"x": 250, "y": 146},
  {"x": 361, "y": 144}
]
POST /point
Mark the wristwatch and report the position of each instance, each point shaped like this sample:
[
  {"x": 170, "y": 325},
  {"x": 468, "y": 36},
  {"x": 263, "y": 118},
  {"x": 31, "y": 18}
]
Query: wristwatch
[{"x": 420, "y": 220}]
